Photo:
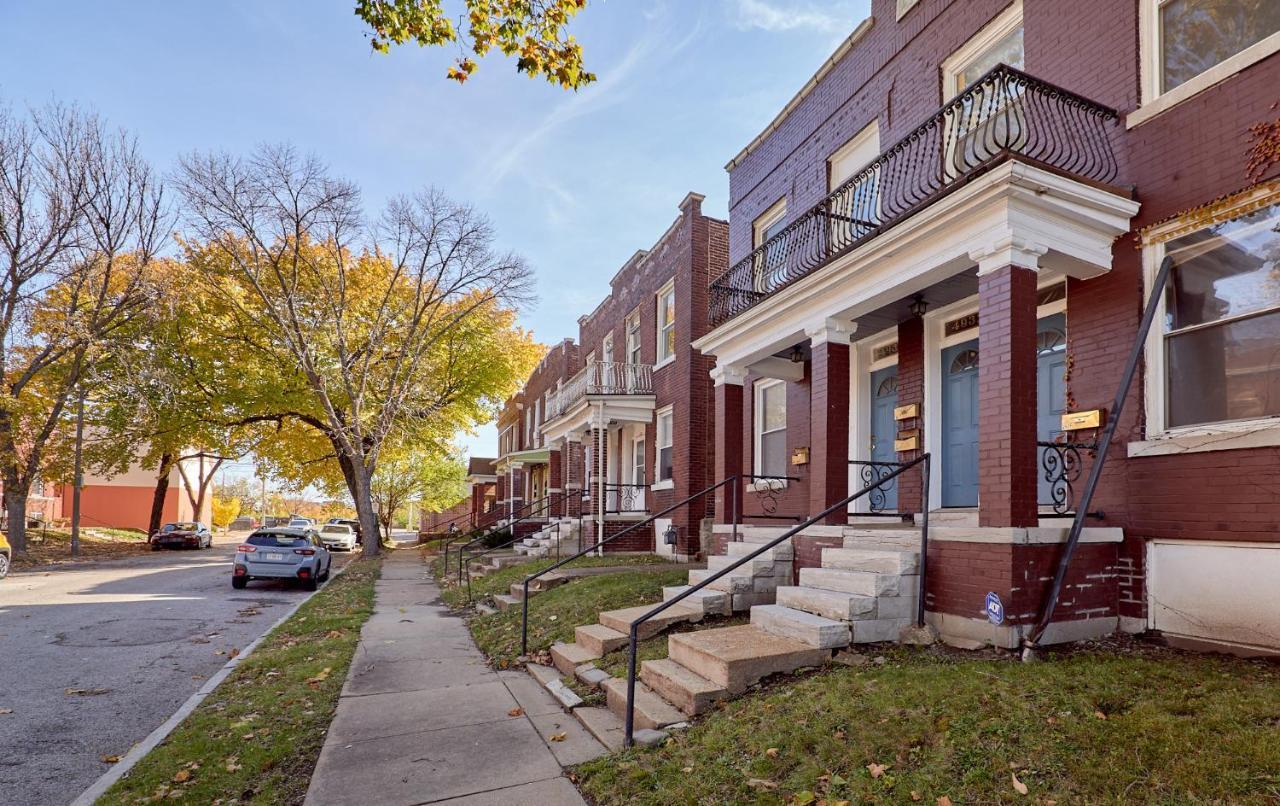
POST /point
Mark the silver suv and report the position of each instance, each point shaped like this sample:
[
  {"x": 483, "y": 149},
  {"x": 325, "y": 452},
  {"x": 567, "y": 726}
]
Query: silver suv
[{"x": 282, "y": 552}]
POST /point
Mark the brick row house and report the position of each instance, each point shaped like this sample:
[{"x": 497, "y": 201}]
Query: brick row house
[
  {"x": 944, "y": 243},
  {"x": 615, "y": 426},
  {"x": 478, "y": 507},
  {"x": 943, "y": 246}
]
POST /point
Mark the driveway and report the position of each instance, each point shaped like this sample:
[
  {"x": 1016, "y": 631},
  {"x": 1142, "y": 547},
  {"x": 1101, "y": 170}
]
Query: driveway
[{"x": 96, "y": 656}]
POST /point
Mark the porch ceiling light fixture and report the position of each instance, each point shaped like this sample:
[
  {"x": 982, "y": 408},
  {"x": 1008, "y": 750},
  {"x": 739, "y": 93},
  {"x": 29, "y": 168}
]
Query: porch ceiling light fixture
[
  {"x": 918, "y": 306},
  {"x": 797, "y": 355}
]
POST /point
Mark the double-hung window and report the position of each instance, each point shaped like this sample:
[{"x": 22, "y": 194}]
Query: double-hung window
[
  {"x": 664, "y": 422},
  {"x": 667, "y": 323},
  {"x": 633, "y": 338},
  {"x": 985, "y": 123},
  {"x": 769, "y": 266},
  {"x": 771, "y": 429},
  {"x": 855, "y": 209},
  {"x": 1189, "y": 45},
  {"x": 1221, "y": 335}
]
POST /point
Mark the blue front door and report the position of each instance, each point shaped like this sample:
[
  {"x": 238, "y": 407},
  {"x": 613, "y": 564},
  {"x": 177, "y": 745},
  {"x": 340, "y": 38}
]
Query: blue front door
[
  {"x": 884, "y": 398},
  {"x": 960, "y": 425},
  {"x": 1051, "y": 389}
]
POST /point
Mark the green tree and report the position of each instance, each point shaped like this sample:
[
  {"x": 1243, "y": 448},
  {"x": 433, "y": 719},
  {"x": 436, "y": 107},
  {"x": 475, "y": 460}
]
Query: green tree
[{"x": 533, "y": 32}]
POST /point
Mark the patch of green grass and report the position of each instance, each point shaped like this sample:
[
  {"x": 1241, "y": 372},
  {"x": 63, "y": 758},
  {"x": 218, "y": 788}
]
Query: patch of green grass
[
  {"x": 500, "y": 581},
  {"x": 554, "y": 614},
  {"x": 1121, "y": 724},
  {"x": 256, "y": 738}
]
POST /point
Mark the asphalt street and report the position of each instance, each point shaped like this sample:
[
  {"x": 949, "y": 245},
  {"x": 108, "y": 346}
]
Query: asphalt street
[{"x": 96, "y": 656}]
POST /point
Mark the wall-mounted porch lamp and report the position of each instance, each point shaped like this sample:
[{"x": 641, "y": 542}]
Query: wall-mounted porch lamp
[{"x": 918, "y": 306}]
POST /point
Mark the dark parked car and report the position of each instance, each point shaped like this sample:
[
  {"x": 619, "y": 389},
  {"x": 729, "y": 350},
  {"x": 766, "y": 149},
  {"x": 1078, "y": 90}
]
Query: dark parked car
[
  {"x": 281, "y": 552},
  {"x": 182, "y": 535}
]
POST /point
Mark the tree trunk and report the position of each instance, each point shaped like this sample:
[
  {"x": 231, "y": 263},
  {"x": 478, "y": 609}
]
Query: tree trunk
[
  {"x": 161, "y": 491},
  {"x": 360, "y": 484},
  {"x": 15, "y": 508}
]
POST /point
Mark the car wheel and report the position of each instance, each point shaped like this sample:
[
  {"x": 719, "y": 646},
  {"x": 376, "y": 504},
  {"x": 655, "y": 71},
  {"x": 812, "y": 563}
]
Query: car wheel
[
  {"x": 310, "y": 583},
  {"x": 4, "y": 565},
  {"x": 155, "y": 547},
  {"x": 239, "y": 582}
]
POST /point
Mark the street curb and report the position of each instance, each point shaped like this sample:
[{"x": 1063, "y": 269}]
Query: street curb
[{"x": 136, "y": 753}]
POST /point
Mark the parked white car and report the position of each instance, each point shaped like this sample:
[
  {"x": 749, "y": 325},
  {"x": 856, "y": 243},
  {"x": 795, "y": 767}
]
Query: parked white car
[{"x": 338, "y": 536}]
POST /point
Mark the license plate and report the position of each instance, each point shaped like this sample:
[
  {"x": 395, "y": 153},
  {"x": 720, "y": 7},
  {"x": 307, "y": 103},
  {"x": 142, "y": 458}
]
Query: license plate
[{"x": 274, "y": 555}]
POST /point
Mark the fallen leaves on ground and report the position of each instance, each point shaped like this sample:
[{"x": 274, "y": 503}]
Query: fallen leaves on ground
[
  {"x": 315, "y": 682},
  {"x": 85, "y": 692},
  {"x": 5, "y": 711},
  {"x": 944, "y": 801},
  {"x": 558, "y": 737},
  {"x": 754, "y": 783},
  {"x": 108, "y": 759},
  {"x": 772, "y": 752},
  {"x": 1018, "y": 786},
  {"x": 516, "y": 712},
  {"x": 877, "y": 770}
]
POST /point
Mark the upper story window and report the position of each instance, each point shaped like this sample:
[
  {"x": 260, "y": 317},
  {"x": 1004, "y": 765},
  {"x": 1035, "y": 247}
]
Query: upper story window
[
  {"x": 853, "y": 156},
  {"x": 1222, "y": 321},
  {"x": 1000, "y": 41},
  {"x": 856, "y": 208},
  {"x": 633, "y": 338},
  {"x": 606, "y": 349},
  {"x": 667, "y": 322},
  {"x": 770, "y": 222},
  {"x": 770, "y": 262},
  {"x": 1190, "y": 45},
  {"x": 665, "y": 428},
  {"x": 771, "y": 428}
]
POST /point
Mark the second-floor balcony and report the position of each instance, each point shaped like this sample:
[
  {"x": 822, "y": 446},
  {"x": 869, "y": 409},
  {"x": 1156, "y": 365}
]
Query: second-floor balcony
[
  {"x": 1005, "y": 113},
  {"x": 600, "y": 378}
]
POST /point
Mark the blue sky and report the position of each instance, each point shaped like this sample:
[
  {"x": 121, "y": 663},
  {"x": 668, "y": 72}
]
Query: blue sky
[{"x": 574, "y": 181}]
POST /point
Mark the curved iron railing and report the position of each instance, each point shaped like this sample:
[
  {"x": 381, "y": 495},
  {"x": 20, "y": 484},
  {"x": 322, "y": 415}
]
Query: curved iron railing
[
  {"x": 767, "y": 490},
  {"x": 841, "y": 505},
  {"x": 625, "y": 498},
  {"x": 732, "y": 483},
  {"x": 1061, "y": 464},
  {"x": 1005, "y": 112},
  {"x": 876, "y": 477}
]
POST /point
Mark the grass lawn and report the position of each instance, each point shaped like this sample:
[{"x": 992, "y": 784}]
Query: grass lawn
[
  {"x": 500, "y": 581},
  {"x": 53, "y": 546},
  {"x": 1119, "y": 723},
  {"x": 258, "y": 736},
  {"x": 555, "y": 613}
]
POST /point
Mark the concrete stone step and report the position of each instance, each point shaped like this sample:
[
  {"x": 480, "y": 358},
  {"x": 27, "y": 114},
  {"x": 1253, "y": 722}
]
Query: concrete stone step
[
  {"x": 878, "y": 630},
  {"x": 759, "y": 567},
  {"x": 758, "y": 534},
  {"x": 880, "y": 561},
  {"x": 742, "y": 602},
  {"x": 733, "y": 583},
  {"x": 710, "y": 602},
  {"x": 783, "y": 552},
  {"x": 530, "y": 541},
  {"x": 506, "y": 602},
  {"x": 599, "y": 639},
  {"x": 651, "y": 711},
  {"x": 604, "y": 725},
  {"x": 620, "y": 620},
  {"x": 504, "y": 560},
  {"x": 807, "y": 628},
  {"x": 568, "y": 657},
  {"x": 902, "y": 539},
  {"x": 691, "y": 693},
  {"x": 826, "y": 603},
  {"x": 735, "y": 658},
  {"x": 862, "y": 583}
]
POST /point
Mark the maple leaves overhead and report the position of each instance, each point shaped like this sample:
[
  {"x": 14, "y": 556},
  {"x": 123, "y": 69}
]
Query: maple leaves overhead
[{"x": 531, "y": 31}]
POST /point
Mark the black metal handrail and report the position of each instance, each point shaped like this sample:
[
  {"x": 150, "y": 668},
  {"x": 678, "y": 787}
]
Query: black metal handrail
[
  {"x": 533, "y": 509},
  {"x": 1156, "y": 293},
  {"x": 733, "y": 486},
  {"x": 634, "y": 638},
  {"x": 767, "y": 490},
  {"x": 1005, "y": 112},
  {"x": 1061, "y": 463},
  {"x": 515, "y": 538}
]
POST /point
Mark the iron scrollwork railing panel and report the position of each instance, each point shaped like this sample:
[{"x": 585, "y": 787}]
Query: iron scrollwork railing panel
[
  {"x": 874, "y": 477},
  {"x": 620, "y": 498},
  {"x": 1005, "y": 111},
  {"x": 767, "y": 490},
  {"x": 1061, "y": 463}
]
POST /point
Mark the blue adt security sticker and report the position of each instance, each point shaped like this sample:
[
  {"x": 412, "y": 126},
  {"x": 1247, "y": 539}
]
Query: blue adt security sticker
[{"x": 995, "y": 608}]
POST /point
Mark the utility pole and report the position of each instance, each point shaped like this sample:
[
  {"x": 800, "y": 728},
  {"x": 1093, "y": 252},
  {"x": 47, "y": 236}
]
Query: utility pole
[{"x": 78, "y": 473}]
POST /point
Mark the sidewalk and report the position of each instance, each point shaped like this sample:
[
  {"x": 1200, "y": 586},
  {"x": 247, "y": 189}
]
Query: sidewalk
[{"x": 423, "y": 720}]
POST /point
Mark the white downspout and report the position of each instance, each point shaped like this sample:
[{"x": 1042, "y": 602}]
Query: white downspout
[{"x": 602, "y": 460}]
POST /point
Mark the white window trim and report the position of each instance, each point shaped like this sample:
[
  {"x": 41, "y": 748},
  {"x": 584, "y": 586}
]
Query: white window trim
[
  {"x": 869, "y": 133},
  {"x": 668, "y": 288},
  {"x": 606, "y": 349},
  {"x": 658, "y": 482},
  {"x": 905, "y": 6},
  {"x": 768, "y": 218},
  {"x": 1153, "y": 101},
  {"x": 1005, "y": 23},
  {"x": 757, "y": 433},
  {"x": 632, "y": 325},
  {"x": 1163, "y": 439}
]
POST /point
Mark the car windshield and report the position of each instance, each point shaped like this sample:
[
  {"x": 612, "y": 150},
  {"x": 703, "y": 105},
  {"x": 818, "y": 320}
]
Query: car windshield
[
  {"x": 278, "y": 540},
  {"x": 336, "y": 528},
  {"x": 180, "y": 527}
]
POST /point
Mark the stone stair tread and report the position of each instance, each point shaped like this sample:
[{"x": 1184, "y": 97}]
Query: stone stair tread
[
  {"x": 862, "y": 583},
  {"x": 568, "y": 657},
  {"x": 884, "y": 561},
  {"x": 709, "y": 601},
  {"x": 603, "y": 724},
  {"x": 783, "y": 552},
  {"x": 505, "y": 602},
  {"x": 826, "y": 603},
  {"x": 651, "y": 711},
  {"x": 599, "y": 638},
  {"x": 814, "y": 630},
  {"x": 737, "y": 657},
  {"x": 732, "y": 583},
  {"x": 620, "y": 620},
  {"x": 690, "y": 692}
]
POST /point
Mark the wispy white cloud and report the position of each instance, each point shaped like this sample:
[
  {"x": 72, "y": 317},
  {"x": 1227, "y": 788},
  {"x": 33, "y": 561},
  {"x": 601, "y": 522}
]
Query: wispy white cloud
[{"x": 777, "y": 17}]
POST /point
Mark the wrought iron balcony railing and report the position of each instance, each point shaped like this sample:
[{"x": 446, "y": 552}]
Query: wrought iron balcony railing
[
  {"x": 601, "y": 378},
  {"x": 1005, "y": 112}
]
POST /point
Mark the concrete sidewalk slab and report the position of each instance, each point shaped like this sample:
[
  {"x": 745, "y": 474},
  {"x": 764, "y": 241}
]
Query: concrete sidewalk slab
[{"x": 423, "y": 719}]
